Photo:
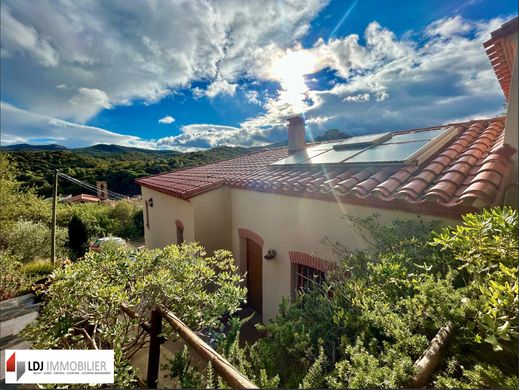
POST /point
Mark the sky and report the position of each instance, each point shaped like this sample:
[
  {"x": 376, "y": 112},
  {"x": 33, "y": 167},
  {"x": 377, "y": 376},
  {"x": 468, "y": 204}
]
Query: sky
[{"x": 190, "y": 75}]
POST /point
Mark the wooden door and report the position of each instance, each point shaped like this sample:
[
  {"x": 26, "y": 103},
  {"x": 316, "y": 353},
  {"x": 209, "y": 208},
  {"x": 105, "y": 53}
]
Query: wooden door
[{"x": 254, "y": 275}]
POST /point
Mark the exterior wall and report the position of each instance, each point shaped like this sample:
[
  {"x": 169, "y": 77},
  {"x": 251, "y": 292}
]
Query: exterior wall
[
  {"x": 284, "y": 223},
  {"x": 162, "y": 216},
  {"x": 212, "y": 217},
  {"x": 512, "y": 134},
  {"x": 287, "y": 223}
]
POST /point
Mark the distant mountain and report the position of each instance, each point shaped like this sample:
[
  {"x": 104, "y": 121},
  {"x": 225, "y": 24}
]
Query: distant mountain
[
  {"x": 29, "y": 147},
  {"x": 118, "y": 149},
  {"x": 118, "y": 165}
]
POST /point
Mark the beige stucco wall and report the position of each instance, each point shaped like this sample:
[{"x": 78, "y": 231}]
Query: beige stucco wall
[
  {"x": 285, "y": 223},
  {"x": 289, "y": 223},
  {"x": 212, "y": 217},
  {"x": 166, "y": 209}
]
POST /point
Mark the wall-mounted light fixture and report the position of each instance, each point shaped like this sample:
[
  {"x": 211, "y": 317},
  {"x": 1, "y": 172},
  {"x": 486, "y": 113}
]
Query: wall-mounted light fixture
[
  {"x": 271, "y": 254},
  {"x": 150, "y": 202}
]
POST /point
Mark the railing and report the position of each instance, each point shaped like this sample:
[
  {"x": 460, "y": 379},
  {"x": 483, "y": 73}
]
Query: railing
[{"x": 222, "y": 367}]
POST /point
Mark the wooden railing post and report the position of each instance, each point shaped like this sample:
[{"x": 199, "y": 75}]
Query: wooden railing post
[
  {"x": 229, "y": 373},
  {"x": 154, "y": 353}
]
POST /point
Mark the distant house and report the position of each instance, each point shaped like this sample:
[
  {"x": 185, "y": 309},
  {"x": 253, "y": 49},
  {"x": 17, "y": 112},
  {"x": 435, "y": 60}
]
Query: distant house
[
  {"x": 288, "y": 199},
  {"x": 81, "y": 198}
]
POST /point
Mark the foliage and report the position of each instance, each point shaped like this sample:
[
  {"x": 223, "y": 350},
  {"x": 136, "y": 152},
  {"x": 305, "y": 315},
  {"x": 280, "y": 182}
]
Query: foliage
[
  {"x": 83, "y": 303},
  {"x": 17, "y": 278},
  {"x": 118, "y": 167},
  {"x": 28, "y": 240},
  {"x": 77, "y": 237},
  {"x": 37, "y": 268},
  {"x": 485, "y": 249},
  {"x": 479, "y": 376},
  {"x": 332, "y": 134},
  {"x": 17, "y": 204},
  {"x": 315, "y": 378},
  {"x": 180, "y": 368},
  {"x": 380, "y": 307},
  {"x": 12, "y": 280}
]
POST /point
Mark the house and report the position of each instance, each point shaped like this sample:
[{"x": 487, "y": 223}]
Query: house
[
  {"x": 272, "y": 208},
  {"x": 81, "y": 198}
]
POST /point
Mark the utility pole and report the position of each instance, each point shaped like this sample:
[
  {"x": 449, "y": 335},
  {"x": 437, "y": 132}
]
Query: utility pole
[{"x": 53, "y": 220}]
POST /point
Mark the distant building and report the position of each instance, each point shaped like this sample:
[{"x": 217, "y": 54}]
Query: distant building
[
  {"x": 81, "y": 198},
  {"x": 288, "y": 199}
]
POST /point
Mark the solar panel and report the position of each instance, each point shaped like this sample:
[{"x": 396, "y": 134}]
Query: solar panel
[
  {"x": 362, "y": 140},
  {"x": 417, "y": 136},
  {"x": 374, "y": 149},
  {"x": 389, "y": 153},
  {"x": 299, "y": 156},
  {"x": 333, "y": 156}
]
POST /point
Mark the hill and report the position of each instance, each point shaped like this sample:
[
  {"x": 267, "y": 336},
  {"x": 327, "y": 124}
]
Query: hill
[
  {"x": 118, "y": 165},
  {"x": 29, "y": 147},
  {"x": 102, "y": 149}
]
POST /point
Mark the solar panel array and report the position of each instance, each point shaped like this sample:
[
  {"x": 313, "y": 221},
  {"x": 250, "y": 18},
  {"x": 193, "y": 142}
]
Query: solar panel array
[{"x": 370, "y": 149}]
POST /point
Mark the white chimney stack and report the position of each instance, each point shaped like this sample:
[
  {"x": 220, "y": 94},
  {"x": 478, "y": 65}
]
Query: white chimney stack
[{"x": 296, "y": 133}]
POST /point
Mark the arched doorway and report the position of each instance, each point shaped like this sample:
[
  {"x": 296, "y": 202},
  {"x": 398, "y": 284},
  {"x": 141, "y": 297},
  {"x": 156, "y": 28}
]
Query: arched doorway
[{"x": 254, "y": 266}]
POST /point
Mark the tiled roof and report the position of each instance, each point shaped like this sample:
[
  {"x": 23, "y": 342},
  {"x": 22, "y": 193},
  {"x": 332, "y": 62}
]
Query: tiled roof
[
  {"x": 501, "y": 49},
  {"x": 467, "y": 173},
  {"x": 82, "y": 198}
]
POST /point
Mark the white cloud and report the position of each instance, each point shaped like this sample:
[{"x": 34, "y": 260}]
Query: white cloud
[
  {"x": 118, "y": 48},
  {"x": 397, "y": 83},
  {"x": 220, "y": 87},
  {"x": 363, "y": 97},
  {"x": 18, "y": 37},
  {"x": 65, "y": 61},
  {"x": 253, "y": 97},
  {"x": 21, "y": 126},
  {"x": 167, "y": 120},
  {"x": 449, "y": 27}
]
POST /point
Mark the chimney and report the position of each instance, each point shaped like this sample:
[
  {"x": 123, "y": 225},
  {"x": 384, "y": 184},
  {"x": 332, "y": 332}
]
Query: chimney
[{"x": 296, "y": 133}]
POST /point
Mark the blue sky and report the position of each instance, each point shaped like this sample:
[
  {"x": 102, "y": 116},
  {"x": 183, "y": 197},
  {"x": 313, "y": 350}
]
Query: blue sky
[{"x": 196, "y": 74}]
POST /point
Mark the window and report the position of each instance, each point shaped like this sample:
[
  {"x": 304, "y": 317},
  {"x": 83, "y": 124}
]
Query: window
[{"x": 308, "y": 277}]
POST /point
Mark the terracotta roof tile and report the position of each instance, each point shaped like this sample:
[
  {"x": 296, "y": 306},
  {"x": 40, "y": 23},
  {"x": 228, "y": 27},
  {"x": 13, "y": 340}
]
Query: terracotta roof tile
[{"x": 473, "y": 166}]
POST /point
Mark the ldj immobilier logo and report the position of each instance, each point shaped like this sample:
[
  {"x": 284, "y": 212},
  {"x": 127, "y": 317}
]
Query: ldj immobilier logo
[{"x": 59, "y": 366}]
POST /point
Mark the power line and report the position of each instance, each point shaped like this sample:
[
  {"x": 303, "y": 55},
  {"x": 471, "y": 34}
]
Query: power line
[{"x": 91, "y": 187}]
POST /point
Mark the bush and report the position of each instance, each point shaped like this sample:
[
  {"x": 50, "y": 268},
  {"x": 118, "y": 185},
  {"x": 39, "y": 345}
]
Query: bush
[
  {"x": 11, "y": 279},
  {"x": 380, "y": 308},
  {"x": 86, "y": 297},
  {"x": 37, "y": 268},
  {"x": 28, "y": 240},
  {"x": 485, "y": 248}
]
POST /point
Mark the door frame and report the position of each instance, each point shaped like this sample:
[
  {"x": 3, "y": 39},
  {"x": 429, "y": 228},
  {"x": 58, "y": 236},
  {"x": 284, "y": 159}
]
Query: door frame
[{"x": 247, "y": 234}]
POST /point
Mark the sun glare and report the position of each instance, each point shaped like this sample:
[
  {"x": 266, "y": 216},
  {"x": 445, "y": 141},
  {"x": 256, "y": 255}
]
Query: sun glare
[{"x": 290, "y": 70}]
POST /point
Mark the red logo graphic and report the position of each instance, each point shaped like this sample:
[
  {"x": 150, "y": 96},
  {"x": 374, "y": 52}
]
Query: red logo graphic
[{"x": 11, "y": 363}]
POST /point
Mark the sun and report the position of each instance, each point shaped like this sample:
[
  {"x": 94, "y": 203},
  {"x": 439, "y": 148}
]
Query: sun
[{"x": 290, "y": 70}]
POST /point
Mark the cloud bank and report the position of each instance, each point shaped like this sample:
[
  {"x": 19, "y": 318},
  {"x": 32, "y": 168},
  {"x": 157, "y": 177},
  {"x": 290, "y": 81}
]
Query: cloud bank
[{"x": 64, "y": 62}]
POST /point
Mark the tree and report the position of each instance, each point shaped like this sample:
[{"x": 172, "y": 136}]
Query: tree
[
  {"x": 77, "y": 237},
  {"x": 82, "y": 309}
]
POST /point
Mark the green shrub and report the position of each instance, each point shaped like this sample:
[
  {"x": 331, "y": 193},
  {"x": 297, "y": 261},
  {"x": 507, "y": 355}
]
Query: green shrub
[
  {"x": 12, "y": 280},
  {"x": 381, "y": 307},
  {"x": 37, "y": 268},
  {"x": 485, "y": 248},
  {"x": 28, "y": 240},
  {"x": 85, "y": 296}
]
